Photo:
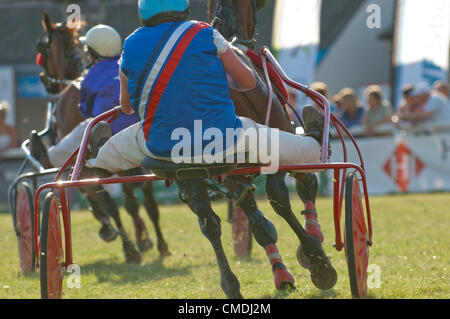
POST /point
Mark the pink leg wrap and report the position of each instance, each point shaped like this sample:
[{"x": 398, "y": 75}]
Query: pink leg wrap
[
  {"x": 312, "y": 225},
  {"x": 280, "y": 274}
]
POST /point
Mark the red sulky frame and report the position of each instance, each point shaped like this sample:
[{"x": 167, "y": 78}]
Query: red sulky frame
[{"x": 78, "y": 155}]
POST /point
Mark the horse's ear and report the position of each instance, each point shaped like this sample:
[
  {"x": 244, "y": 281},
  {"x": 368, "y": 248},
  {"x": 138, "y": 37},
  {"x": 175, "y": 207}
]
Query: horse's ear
[
  {"x": 46, "y": 22},
  {"x": 81, "y": 25}
]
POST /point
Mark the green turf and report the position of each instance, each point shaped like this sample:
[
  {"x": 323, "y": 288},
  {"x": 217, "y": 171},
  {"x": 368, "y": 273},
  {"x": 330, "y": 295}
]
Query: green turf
[{"x": 411, "y": 247}]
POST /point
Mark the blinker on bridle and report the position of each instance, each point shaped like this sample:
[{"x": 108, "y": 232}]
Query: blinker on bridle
[
  {"x": 226, "y": 11},
  {"x": 52, "y": 84}
]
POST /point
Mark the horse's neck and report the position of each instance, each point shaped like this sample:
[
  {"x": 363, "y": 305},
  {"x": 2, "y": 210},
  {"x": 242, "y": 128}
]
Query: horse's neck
[
  {"x": 211, "y": 9},
  {"x": 67, "y": 114},
  {"x": 253, "y": 104},
  {"x": 246, "y": 19}
]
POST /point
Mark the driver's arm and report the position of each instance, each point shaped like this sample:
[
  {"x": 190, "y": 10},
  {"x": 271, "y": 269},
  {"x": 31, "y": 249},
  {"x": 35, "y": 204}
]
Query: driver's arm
[
  {"x": 125, "y": 104},
  {"x": 240, "y": 77}
]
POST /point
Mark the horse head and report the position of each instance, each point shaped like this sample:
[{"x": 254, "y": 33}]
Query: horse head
[
  {"x": 236, "y": 19},
  {"x": 59, "y": 55}
]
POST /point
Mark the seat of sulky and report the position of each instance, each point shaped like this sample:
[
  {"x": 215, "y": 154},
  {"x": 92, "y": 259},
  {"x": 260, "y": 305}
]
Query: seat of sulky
[{"x": 171, "y": 170}]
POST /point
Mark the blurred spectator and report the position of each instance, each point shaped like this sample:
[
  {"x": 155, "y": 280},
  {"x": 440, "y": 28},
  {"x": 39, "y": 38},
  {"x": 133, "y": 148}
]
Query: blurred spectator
[
  {"x": 352, "y": 111},
  {"x": 378, "y": 111},
  {"x": 293, "y": 101},
  {"x": 407, "y": 99},
  {"x": 337, "y": 106},
  {"x": 405, "y": 106},
  {"x": 425, "y": 107},
  {"x": 320, "y": 88},
  {"x": 8, "y": 137},
  {"x": 442, "y": 88}
]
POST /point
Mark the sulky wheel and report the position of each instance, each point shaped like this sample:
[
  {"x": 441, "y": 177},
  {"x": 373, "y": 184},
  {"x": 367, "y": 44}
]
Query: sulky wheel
[
  {"x": 242, "y": 236},
  {"x": 24, "y": 214},
  {"x": 51, "y": 250},
  {"x": 356, "y": 237}
]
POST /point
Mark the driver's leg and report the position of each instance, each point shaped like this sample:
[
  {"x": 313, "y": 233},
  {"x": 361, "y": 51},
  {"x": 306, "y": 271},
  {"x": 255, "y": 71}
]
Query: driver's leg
[
  {"x": 275, "y": 145},
  {"x": 59, "y": 153},
  {"x": 125, "y": 150}
]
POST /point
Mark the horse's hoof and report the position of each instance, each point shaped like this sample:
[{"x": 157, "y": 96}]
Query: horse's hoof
[
  {"x": 311, "y": 255},
  {"x": 108, "y": 233},
  {"x": 287, "y": 286},
  {"x": 236, "y": 296},
  {"x": 164, "y": 250},
  {"x": 231, "y": 287},
  {"x": 283, "y": 279},
  {"x": 145, "y": 244},
  {"x": 132, "y": 256},
  {"x": 302, "y": 259},
  {"x": 323, "y": 275}
]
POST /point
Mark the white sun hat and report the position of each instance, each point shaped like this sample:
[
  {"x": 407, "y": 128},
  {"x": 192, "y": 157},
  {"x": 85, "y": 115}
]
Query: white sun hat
[{"x": 421, "y": 88}]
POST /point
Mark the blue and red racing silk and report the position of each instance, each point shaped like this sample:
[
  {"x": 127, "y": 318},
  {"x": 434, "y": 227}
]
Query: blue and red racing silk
[
  {"x": 100, "y": 92},
  {"x": 175, "y": 77}
]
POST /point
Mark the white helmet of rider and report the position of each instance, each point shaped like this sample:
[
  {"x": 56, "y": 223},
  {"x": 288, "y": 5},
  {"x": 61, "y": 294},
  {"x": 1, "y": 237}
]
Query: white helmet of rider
[{"x": 104, "y": 40}]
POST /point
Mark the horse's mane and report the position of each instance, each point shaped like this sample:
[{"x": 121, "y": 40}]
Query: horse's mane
[{"x": 74, "y": 33}]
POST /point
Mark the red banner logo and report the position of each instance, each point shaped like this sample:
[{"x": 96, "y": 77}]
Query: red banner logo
[{"x": 402, "y": 166}]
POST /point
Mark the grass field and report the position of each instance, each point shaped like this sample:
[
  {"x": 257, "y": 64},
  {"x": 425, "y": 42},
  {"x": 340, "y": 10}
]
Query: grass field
[{"x": 411, "y": 247}]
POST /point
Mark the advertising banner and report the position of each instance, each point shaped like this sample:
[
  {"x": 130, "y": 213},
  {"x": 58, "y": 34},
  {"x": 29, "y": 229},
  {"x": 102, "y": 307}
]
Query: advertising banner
[{"x": 410, "y": 163}]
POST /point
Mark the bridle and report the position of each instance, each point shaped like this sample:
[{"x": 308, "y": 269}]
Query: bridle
[
  {"x": 53, "y": 84},
  {"x": 226, "y": 10}
]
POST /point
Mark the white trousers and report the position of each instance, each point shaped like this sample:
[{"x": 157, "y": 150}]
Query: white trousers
[
  {"x": 59, "y": 153},
  {"x": 127, "y": 148}
]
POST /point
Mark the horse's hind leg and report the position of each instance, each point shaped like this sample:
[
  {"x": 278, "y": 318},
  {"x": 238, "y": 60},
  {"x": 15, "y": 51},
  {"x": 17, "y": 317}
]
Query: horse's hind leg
[
  {"x": 322, "y": 272},
  {"x": 278, "y": 195},
  {"x": 131, "y": 254},
  {"x": 132, "y": 207},
  {"x": 264, "y": 232},
  {"x": 153, "y": 212},
  {"x": 307, "y": 186},
  {"x": 196, "y": 194},
  {"x": 107, "y": 231}
]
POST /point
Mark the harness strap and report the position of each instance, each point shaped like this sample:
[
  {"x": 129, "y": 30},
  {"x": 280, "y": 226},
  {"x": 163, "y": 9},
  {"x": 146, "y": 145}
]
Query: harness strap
[
  {"x": 309, "y": 211},
  {"x": 273, "y": 74}
]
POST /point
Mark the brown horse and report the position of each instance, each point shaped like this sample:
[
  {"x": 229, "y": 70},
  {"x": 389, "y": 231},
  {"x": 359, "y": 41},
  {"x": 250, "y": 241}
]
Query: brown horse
[
  {"x": 236, "y": 19},
  {"x": 61, "y": 61}
]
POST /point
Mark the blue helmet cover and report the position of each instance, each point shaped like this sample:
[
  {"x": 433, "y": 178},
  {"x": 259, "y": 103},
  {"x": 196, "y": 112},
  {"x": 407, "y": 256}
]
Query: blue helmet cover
[{"x": 150, "y": 8}]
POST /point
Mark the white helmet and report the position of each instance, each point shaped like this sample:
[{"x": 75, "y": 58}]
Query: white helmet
[{"x": 104, "y": 40}]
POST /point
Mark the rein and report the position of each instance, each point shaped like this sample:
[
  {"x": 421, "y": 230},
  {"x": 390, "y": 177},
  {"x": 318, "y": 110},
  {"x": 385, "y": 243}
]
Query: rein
[
  {"x": 269, "y": 103},
  {"x": 269, "y": 86},
  {"x": 270, "y": 90}
]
